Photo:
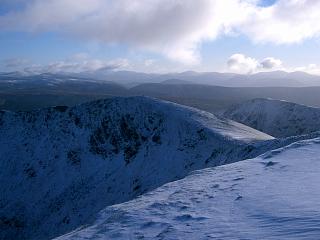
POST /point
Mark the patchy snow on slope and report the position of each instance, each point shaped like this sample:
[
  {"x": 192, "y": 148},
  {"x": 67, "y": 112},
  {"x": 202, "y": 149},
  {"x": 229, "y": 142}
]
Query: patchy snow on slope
[
  {"x": 275, "y": 117},
  {"x": 60, "y": 166},
  {"x": 274, "y": 196}
]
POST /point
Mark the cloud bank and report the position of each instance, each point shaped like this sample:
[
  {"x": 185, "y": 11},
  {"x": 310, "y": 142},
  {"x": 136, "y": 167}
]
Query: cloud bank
[
  {"x": 174, "y": 28},
  {"x": 76, "y": 64}
]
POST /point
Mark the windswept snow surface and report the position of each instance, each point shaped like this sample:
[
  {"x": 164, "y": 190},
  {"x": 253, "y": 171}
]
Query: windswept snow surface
[
  {"x": 60, "y": 166},
  {"x": 275, "y": 117},
  {"x": 274, "y": 196}
]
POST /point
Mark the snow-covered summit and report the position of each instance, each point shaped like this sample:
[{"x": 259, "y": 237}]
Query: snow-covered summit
[
  {"x": 275, "y": 196},
  {"x": 275, "y": 117},
  {"x": 60, "y": 166}
]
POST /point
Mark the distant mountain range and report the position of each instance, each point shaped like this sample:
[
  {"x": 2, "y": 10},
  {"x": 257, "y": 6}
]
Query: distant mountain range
[
  {"x": 262, "y": 79},
  {"x": 27, "y": 92},
  {"x": 131, "y": 78}
]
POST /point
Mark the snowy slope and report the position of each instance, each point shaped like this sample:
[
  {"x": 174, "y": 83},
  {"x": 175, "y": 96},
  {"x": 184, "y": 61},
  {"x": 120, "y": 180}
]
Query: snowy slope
[
  {"x": 275, "y": 196},
  {"x": 275, "y": 117},
  {"x": 60, "y": 166}
]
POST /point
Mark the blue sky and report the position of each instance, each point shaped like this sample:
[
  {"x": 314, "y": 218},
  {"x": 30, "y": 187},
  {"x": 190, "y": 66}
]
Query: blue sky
[{"x": 240, "y": 36}]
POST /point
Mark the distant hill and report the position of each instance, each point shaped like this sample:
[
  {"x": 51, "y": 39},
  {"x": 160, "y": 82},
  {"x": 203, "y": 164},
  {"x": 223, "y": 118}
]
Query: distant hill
[
  {"x": 215, "y": 98},
  {"x": 277, "y": 118},
  {"x": 24, "y": 92},
  {"x": 176, "y": 81},
  {"x": 15, "y": 83}
]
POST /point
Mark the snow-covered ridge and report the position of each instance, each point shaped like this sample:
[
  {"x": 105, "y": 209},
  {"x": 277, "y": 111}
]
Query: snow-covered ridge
[
  {"x": 275, "y": 117},
  {"x": 73, "y": 162},
  {"x": 275, "y": 196}
]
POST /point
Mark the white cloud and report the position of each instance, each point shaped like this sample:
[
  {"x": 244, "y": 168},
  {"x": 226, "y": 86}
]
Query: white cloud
[
  {"x": 149, "y": 62},
  {"x": 287, "y": 21},
  {"x": 174, "y": 28},
  {"x": 270, "y": 63},
  {"x": 241, "y": 63}
]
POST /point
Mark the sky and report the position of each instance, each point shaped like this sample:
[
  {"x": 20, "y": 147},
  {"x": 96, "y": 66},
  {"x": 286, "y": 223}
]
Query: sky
[{"x": 242, "y": 36}]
